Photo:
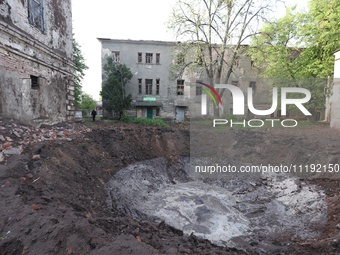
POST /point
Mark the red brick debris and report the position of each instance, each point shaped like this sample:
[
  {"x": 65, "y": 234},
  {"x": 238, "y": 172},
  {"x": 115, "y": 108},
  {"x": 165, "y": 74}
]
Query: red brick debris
[{"x": 14, "y": 137}]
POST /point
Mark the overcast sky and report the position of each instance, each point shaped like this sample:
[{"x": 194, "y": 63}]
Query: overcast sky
[{"x": 128, "y": 19}]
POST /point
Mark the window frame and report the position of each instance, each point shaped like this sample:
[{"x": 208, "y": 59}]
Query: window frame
[
  {"x": 158, "y": 82},
  {"x": 180, "y": 86},
  {"x": 140, "y": 86},
  {"x": 139, "y": 57},
  {"x": 148, "y": 58},
  {"x": 158, "y": 58},
  {"x": 148, "y": 86},
  {"x": 36, "y": 16}
]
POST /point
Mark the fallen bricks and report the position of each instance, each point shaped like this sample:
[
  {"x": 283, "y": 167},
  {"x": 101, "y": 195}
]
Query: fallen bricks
[{"x": 14, "y": 138}]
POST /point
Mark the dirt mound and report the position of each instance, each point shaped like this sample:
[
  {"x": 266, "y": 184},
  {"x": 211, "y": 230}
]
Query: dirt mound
[{"x": 57, "y": 203}]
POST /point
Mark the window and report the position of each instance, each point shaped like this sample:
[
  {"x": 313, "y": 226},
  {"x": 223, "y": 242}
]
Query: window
[
  {"x": 34, "y": 82},
  {"x": 139, "y": 86},
  {"x": 36, "y": 14},
  {"x": 158, "y": 58},
  {"x": 252, "y": 85},
  {"x": 148, "y": 86},
  {"x": 235, "y": 83},
  {"x": 198, "y": 90},
  {"x": 180, "y": 87},
  {"x": 140, "y": 58},
  {"x": 157, "y": 86},
  {"x": 116, "y": 56},
  {"x": 148, "y": 58}
]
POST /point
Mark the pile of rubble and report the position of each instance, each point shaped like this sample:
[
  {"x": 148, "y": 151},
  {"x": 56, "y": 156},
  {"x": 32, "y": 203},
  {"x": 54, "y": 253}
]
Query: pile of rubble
[{"x": 15, "y": 137}]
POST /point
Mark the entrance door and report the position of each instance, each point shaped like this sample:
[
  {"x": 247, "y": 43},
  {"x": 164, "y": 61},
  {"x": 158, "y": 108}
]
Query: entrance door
[
  {"x": 180, "y": 113},
  {"x": 149, "y": 113}
]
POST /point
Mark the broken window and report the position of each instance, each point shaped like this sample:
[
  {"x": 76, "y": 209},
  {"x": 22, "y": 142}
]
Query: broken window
[
  {"x": 158, "y": 58},
  {"x": 157, "y": 86},
  {"x": 139, "y": 86},
  {"x": 180, "y": 87},
  {"x": 34, "y": 82},
  {"x": 148, "y": 58},
  {"x": 148, "y": 86},
  {"x": 140, "y": 57},
  {"x": 116, "y": 56},
  {"x": 36, "y": 14}
]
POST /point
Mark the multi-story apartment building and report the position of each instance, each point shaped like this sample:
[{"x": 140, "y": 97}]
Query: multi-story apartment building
[
  {"x": 36, "y": 67},
  {"x": 155, "y": 92}
]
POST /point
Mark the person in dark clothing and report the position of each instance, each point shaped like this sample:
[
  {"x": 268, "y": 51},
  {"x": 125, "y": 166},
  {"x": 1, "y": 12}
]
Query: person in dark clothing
[{"x": 94, "y": 113}]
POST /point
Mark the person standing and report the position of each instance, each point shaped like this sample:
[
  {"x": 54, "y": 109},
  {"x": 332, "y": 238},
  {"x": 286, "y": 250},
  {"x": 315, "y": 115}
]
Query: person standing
[{"x": 93, "y": 113}]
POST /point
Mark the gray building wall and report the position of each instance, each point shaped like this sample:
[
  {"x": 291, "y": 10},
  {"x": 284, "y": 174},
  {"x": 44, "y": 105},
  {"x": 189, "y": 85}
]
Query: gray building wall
[
  {"x": 128, "y": 55},
  {"x": 169, "y": 103},
  {"x": 36, "y": 47}
]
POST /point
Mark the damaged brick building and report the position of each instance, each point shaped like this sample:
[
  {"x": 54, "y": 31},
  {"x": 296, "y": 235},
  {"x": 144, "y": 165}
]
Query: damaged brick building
[{"x": 36, "y": 65}]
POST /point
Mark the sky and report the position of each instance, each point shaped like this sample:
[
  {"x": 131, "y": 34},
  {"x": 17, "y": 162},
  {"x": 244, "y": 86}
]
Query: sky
[{"x": 128, "y": 19}]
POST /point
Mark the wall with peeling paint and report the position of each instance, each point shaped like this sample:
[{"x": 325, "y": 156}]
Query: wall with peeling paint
[{"x": 26, "y": 52}]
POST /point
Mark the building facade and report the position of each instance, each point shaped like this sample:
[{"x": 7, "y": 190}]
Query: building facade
[
  {"x": 335, "y": 97},
  {"x": 156, "y": 92},
  {"x": 36, "y": 67}
]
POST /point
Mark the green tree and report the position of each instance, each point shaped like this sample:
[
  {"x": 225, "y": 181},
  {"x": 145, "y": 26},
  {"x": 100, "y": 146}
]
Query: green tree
[
  {"x": 299, "y": 48},
  {"x": 87, "y": 102},
  {"x": 214, "y": 31},
  {"x": 79, "y": 72},
  {"x": 113, "y": 92}
]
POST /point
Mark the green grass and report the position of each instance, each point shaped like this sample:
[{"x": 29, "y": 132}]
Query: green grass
[{"x": 144, "y": 121}]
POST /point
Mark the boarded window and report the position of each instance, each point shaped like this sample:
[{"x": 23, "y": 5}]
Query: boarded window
[
  {"x": 148, "y": 58},
  {"x": 139, "y": 86},
  {"x": 148, "y": 86},
  {"x": 139, "y": 57},
  {"x": 180, "y": 87},
  {"x": 158, "y": 58},
  {"x": 35, "y": 82},
  {"x": 157, "y": 86},
  {"x": 116, "y": 56},
  {"x": 36, "y": 14}
]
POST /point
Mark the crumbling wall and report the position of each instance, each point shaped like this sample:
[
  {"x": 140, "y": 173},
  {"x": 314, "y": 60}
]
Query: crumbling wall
[{"x": 36, "y": 65}]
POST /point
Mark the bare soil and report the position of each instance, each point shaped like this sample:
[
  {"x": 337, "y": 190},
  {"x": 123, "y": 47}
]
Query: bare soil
[{"x": 56, "y": 203}]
